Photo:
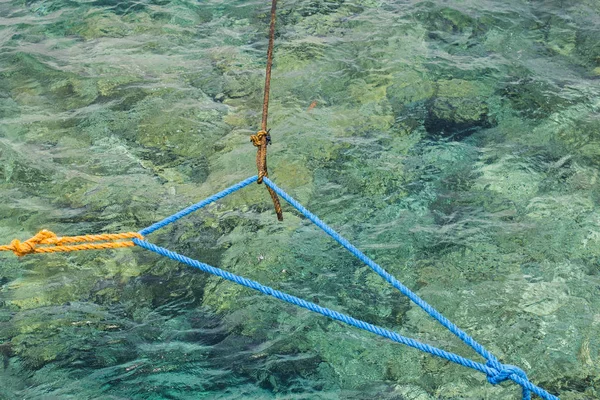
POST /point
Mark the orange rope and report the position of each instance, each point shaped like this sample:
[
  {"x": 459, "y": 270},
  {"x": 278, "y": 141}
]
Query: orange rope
[{"x": 52, "y": 243}]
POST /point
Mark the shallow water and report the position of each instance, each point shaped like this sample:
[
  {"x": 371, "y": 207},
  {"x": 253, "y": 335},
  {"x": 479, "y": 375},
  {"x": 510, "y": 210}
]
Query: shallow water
[{"x": 456, "y": 143}]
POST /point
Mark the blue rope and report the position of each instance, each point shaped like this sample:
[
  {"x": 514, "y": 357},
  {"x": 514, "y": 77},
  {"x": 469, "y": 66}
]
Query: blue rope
[
  {"x": 383, "y": 273},
  {"x": 496, "y": 372},
  {"x": 501, "y": 372},
  {"x": 197, "y": 206}
]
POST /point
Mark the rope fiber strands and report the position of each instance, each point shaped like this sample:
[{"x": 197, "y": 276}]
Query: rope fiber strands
[{"x": 47, "y": 242}]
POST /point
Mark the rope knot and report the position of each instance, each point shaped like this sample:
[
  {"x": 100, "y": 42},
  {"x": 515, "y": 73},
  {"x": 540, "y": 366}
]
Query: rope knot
[
  {"x": 50, "y": 243},
  {"x": 257, "y": 139},
  {"x": 28, "y": 246},
  {"x": 22, "y": 248},
  {"x": 502, "y": 372}
]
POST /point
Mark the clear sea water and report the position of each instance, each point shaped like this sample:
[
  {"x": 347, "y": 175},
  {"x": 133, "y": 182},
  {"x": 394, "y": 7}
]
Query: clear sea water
[{"x": 455, "y": 142}]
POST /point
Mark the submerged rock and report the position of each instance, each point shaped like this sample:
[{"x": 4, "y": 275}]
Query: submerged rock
[
  {"x": 534, "y": 99},
  {"x": 446, "y": 108}
]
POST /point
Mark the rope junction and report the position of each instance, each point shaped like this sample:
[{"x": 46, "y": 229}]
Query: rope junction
[{"x": 495, "y": 371}]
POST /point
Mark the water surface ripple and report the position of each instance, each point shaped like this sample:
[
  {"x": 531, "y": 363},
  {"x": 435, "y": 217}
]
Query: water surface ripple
[{"x": 455, "y": 143}]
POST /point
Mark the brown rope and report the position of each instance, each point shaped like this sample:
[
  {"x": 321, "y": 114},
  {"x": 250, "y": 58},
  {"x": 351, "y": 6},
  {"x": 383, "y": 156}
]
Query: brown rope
[{"x": 260, "y": 139}]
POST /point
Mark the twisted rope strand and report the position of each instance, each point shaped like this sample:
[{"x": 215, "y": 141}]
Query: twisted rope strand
[{"x": 46, "y": 241}]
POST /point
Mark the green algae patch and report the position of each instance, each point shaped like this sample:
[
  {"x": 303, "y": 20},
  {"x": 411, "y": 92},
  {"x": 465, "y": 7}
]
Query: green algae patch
[
  {"x": 459, "y": 105},
  {"x": 462, "y": 88},
  {"x": 446, "y": 106},
  {"x": 59, "y": 281},
  {"x": 111, "y": 85},
  {"x": 38, "y": 340},
  {"x": 291, "y": 175},
  {"x": 300, "y": 54},
  {"x": 96, "y": 25},
  {"x": 447, "y": 19},
  {"x": 34, "y": 82},
  {"x": 510, "y": 178},
  {"x": 534, "y": 99},
  {"x": 410, "y": 87}
]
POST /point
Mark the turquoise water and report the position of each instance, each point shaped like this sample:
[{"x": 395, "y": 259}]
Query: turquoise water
[{"x": 456, "y": 143}]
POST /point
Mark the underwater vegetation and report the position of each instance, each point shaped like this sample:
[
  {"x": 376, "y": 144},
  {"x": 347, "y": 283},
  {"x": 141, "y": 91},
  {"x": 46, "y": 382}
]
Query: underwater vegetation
[{"x": 457, "y": 144}]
